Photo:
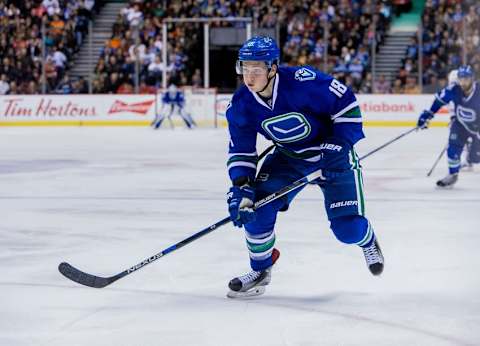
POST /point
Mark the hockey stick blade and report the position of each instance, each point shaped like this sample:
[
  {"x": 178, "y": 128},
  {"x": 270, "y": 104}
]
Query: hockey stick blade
[
  {"x": 74, "y": 274},
  {"x": 83, "y": 278}
]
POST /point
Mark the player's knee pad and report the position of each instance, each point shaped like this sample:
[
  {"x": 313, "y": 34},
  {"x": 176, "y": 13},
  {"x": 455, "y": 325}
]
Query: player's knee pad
[{"x": 352, "y": 229}]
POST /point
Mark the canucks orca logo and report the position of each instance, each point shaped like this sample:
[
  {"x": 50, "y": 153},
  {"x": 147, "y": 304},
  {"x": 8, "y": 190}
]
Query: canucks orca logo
[
  {"x": 287, "y": 128},
  {"x": 304, "y": 74},
  {"x": 466, "y": 114}
]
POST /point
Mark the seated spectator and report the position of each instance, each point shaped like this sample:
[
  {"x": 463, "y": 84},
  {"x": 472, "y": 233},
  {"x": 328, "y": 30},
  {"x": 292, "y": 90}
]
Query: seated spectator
[
  {"x": 367, "y": 85},
  {"x": 65, "y": 86},
  {"x": 32, "y": 88},
  {"x": 59, "y": 59},
  {"x": 57, "y": 26},
  {"x": 115, "y": 42},
  {"x": 155, "y": 71},
  {"x": 125, "y": 88},
  {"x": 112, "y": 83},
  {"x": 382, "y": 85},
  {"x": 51, "y": 7},
  {"x": 4, "y": 86},
  {"x": 98, "y": 86},
  {"x": 411, "y": 86},
  {"x": 144, "y": 88},
  {"x": 397, "y": 87},
  {"x": 134, "y": 16},
  {"x": 412, "y": 49},
  {"x": 356, "y": 70},
  {"x": 432, "y": 85},
  {"x": 80, "y": 86},
  {"x": 13, "y": 88}
]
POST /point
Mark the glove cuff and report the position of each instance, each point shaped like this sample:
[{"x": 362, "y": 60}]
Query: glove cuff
[{"x": 241, "y": 181}]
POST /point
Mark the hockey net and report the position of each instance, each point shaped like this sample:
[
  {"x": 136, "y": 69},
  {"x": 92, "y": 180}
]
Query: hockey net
[{"x": 201, "y": 104}]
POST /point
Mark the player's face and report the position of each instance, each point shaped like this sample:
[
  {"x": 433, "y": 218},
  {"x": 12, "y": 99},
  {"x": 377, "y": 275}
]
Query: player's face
[
  {"x": 255, "y": 75},
  {"x": 466, "y": 84}
]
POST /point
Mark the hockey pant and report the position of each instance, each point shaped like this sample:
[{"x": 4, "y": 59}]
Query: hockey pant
[
  {"x": 344, "y": 204},
  {"x": 458, "y": 138}
]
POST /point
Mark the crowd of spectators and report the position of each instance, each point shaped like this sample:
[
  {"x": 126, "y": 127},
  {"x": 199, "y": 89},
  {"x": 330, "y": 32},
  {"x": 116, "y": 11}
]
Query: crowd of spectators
[
  {"x": 351, "y": 27},
  {"x": 137, "y": 42},
  {"x": 450, "y": 32},
  {"x": 334, "y": 35},
  {"x": 136, "y": 38},
  {"x": 65, "y": 24}
]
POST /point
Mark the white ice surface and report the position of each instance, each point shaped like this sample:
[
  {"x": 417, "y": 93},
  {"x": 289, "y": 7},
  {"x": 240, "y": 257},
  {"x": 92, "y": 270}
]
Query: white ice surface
[{"x": 106, "y": 198}]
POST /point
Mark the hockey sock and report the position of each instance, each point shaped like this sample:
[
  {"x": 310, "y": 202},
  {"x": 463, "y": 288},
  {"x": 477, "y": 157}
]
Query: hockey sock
[
  {"x": 260, "y": 248},
  {"x": 453, "y": 153}
]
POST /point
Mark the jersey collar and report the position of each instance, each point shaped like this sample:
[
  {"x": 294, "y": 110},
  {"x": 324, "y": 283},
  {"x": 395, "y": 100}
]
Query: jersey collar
[
  {"x": 467, "y": 98},
  {"x": 274, "y": 94}
]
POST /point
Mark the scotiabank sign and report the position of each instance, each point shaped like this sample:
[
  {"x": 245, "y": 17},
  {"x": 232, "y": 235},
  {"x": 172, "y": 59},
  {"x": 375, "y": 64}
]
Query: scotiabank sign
[
  {"x": 18, "y": 108},
  {"x": 387, "y": 107},
  {"x": 397, "y": 107}
]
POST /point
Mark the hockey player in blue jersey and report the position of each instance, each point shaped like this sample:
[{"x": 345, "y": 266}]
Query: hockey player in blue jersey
[
  {"x": 465, "y": 124},
  {"x": 314, "y": 121},
  {"x": 174, "y": 101}
]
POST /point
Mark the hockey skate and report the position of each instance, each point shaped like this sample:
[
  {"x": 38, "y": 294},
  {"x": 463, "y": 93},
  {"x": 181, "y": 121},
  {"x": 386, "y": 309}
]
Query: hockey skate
[
  {"x": 374, "y": 257},
  {"x": 448, "y": 181},
  {"x": 253, "y": 283}
]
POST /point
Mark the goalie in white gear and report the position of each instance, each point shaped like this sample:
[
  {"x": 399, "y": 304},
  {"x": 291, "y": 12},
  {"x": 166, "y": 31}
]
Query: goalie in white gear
[{"x": 173, "y": 101}]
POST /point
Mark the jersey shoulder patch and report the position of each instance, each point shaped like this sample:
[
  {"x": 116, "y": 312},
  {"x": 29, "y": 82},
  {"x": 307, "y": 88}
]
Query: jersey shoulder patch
[{"x": 303, "y": 74}]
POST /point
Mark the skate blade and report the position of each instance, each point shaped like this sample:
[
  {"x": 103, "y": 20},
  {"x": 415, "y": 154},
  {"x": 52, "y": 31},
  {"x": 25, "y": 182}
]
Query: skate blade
[{"x": 256, "y": 291}]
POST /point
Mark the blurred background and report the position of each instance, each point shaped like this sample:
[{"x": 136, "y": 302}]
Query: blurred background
[{"x": 127, "y": 47}]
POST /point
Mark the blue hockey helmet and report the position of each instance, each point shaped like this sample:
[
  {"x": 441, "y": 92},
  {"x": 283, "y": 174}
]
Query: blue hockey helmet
[
  {"x": 465, "y": 71},
  {"x": 259, "y": 48}
]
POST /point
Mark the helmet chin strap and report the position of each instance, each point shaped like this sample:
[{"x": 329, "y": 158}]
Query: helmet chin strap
[{"x": 268, "y": 82}]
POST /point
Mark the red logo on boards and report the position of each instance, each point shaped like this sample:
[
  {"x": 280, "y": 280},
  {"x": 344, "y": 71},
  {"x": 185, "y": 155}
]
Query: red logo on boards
[{"x": 139, "y": 107}]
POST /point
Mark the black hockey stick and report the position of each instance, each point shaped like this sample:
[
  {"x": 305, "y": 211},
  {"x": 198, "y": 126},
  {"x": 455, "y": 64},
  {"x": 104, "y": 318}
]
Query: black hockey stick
[
  {"x": 86, "y": 279},
  {"x": 389, "y": 142},
  {"x": 437, "y": 161}
]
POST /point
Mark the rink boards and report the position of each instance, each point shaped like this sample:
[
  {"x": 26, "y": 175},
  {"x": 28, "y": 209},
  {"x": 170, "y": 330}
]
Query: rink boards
[{"x": 207, "y": 108}]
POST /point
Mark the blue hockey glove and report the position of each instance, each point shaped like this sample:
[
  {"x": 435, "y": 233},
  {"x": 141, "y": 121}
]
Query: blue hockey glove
[
  {"x": 424, "y": 119},
  {"x": 335, "y": 154},
  {"x": 240, "y": 204}
]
